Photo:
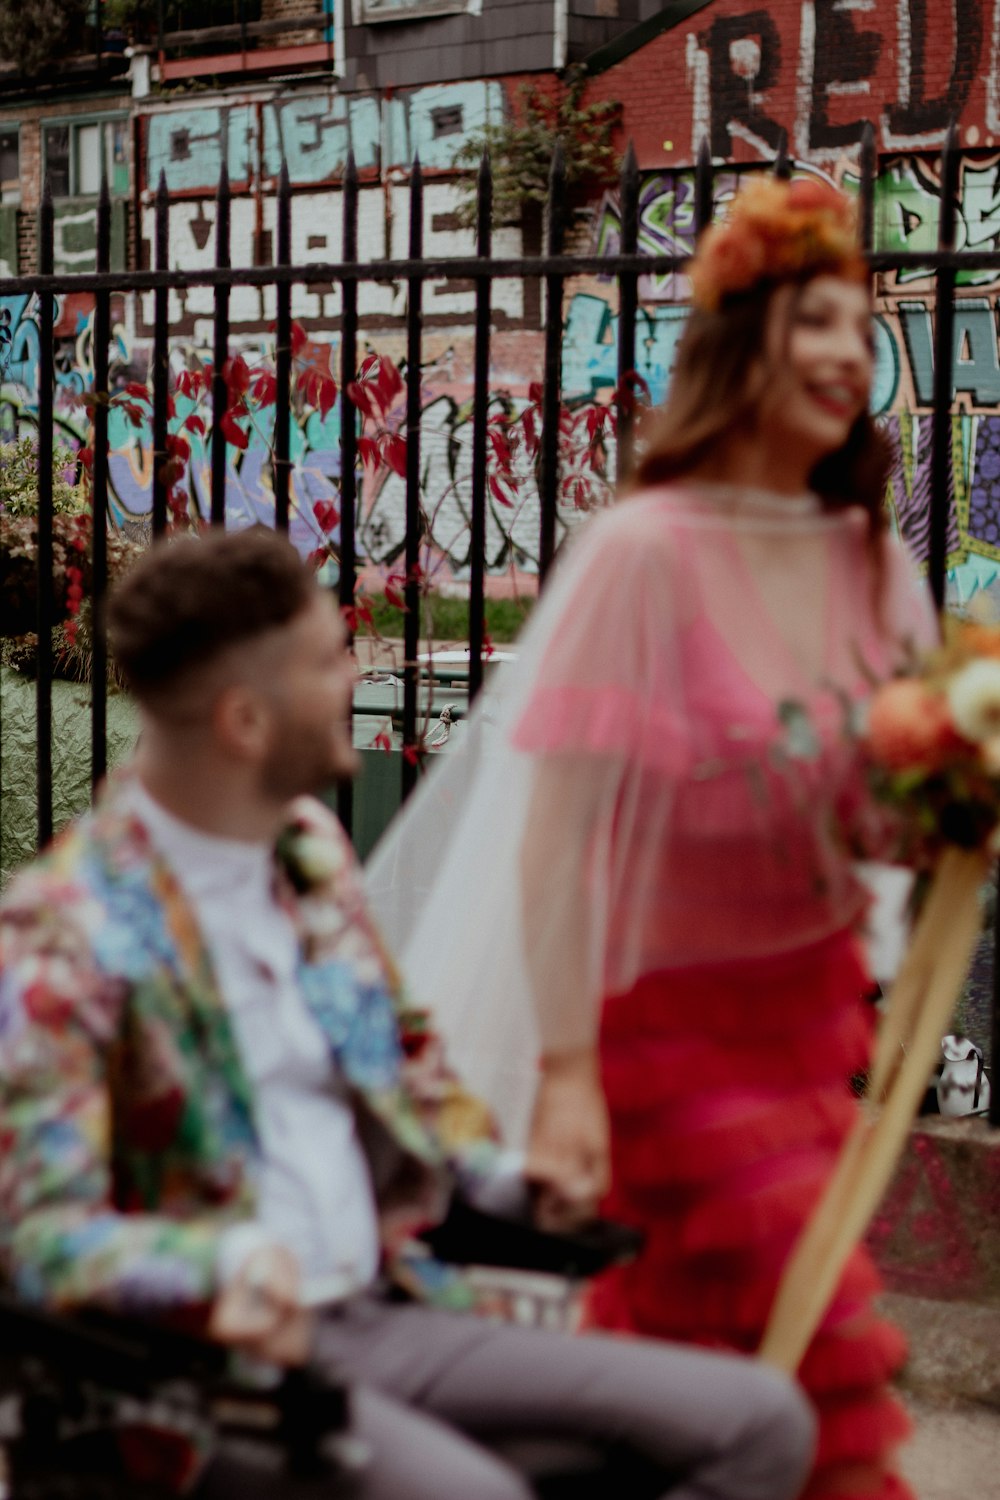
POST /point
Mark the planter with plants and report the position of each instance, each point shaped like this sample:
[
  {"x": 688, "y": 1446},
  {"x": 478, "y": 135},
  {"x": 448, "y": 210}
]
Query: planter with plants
[{"x": 72, "y": 638}]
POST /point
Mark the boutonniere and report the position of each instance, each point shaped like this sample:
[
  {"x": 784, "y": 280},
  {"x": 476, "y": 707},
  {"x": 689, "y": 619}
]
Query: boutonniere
[{"x": 309, "y": 859}]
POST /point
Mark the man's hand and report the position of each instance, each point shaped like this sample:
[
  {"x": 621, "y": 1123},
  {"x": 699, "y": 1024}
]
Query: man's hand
[
  {"x": 568, "y": 1157},
  {"x": 259, "y": 1312}
]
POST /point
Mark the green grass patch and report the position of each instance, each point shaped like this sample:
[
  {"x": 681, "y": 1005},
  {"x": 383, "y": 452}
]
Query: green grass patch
[{"x": 446, "y": 619}]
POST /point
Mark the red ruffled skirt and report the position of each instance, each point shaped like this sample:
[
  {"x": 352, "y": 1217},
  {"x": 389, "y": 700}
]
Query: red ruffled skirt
[{"x": 729, "y": 1099}]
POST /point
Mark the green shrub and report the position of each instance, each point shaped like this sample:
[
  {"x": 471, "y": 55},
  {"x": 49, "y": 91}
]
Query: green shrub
[{"x": 447, "y": 619}]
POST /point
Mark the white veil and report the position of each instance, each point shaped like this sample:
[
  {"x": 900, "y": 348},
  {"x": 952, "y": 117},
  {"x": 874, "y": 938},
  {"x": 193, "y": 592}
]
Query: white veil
[{"x": 615, "y": 806}]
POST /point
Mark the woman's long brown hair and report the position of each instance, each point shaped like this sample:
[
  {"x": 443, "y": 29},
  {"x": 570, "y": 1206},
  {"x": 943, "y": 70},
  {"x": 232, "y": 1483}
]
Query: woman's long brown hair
[{"x": 711, "y": 393}]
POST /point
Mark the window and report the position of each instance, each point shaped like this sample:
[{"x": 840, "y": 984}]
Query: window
[
  {"x": 77, "y": 151},
  {"x": 368, "y": 11},
  {"x": 10, "y": 166},
  {"x": 447, "y": 120}
]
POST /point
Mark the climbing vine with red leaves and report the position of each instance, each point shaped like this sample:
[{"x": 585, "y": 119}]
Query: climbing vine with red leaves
[{"x": 587, "y": 439}]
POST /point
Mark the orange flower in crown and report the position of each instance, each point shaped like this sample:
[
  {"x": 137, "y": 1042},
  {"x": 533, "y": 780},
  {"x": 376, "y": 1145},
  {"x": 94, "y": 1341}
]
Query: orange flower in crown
[{"x": 776, "y": 231}]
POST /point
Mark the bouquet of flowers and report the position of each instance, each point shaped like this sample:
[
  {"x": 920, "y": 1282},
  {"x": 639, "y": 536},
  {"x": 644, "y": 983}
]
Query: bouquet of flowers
[
  {"x": 933, "y": 742},
  {"x": 933, "y": 738}
]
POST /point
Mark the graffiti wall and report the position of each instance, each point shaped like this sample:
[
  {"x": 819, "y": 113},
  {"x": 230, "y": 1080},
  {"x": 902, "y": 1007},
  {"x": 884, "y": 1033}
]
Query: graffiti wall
[
  {"x": 741, "y": 73},
  {"x": 907, "y": 206},
  {"x": 814, "y": 67}
]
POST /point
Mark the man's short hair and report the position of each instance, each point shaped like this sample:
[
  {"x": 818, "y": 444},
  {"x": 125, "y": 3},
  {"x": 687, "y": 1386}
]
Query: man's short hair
[{"x": 186, "y": 601}]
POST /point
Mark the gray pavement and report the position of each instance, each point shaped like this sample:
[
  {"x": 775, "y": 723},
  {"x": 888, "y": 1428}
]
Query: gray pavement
[{"x": 955, "y": 1452}]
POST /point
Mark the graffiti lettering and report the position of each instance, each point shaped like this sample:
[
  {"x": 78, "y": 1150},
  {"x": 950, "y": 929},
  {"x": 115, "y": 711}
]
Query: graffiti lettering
[
  {"x": 745, "y": 60},
  {"x": 845, "y": 60},
  {"x": 919, "y": 114}
]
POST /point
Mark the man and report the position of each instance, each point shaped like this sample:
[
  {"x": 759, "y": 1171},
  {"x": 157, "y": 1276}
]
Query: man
[{"x": 208, "y": 1112}]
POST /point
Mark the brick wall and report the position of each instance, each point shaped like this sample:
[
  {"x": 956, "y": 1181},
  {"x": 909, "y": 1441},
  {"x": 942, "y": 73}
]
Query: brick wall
[
  {"x": 31, "y": 118},
  {"x": 741, "y": 71}
]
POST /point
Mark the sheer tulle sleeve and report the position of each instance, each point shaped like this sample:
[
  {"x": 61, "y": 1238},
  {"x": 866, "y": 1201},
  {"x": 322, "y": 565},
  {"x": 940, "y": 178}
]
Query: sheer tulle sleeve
[
  {"x": 496, "y": 885},
  {"x": 908, "y": 606},
  {"x": 607, "y": 683},
  {"x": 614, "y": 805}
]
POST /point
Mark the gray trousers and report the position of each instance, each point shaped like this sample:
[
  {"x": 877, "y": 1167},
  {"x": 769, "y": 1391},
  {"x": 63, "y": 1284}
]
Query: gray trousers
[{"x": 440, "y": 1398}]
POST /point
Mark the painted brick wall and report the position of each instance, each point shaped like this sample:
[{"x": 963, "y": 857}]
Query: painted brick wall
[
  {"x": 31, "y": 119},
  {"x": 739, "y": 71}
]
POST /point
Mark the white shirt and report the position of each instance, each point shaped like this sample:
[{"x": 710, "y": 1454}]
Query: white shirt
[{"x": 314, "y": 1192}]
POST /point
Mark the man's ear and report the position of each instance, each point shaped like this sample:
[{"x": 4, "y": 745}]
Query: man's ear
[{"x": 242, "y": 722}]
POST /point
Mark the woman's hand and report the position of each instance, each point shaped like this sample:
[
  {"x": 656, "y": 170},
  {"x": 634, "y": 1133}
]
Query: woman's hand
[
  {"x": 259, "y": 1311},
  {"x": 568, "y": 1157}
]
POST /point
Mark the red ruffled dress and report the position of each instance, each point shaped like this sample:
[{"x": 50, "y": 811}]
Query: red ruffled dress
[
  {"x": 728, "y": 1053},
  {"x": 728, "y": 1091}
]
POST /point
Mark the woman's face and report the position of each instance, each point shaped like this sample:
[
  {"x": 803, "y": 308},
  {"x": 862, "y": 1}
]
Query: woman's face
[{"x": 818, "y": 367}]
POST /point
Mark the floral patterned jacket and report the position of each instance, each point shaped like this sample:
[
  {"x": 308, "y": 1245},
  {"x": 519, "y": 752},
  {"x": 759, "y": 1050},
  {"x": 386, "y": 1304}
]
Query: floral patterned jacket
[{"x": 127, "y": 1136}]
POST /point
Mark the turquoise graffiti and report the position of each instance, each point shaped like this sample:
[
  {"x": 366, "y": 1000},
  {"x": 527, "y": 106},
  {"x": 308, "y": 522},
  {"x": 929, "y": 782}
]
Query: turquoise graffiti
[{"x": 313, "y": 134}]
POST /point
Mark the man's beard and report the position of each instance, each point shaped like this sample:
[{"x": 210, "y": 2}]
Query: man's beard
[{"x": 303, "y": 766}]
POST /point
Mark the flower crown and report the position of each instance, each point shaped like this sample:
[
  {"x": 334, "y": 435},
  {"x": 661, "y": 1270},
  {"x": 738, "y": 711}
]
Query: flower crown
[{"x": 776, "y": 231}]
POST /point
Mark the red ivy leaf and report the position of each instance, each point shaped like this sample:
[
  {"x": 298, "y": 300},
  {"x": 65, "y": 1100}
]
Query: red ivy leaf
[
  {"x": 326, "y": 514},
  {"x": 233, "y": 432},
  {"x": 236, "y": 374},
  {"x": 388, "y": 382},
  {"x": 382, "y": 741},
  {"x": 178, "y": 447},
  {"x": 317, "y": 558},
  {"x": 361, "y": 398},
  {"x": 392, "y": 594},
  {"x": 394, "y": 453},
  {"x": 299, "y": 339},
  {"x": 497, "y": 491},
  {"x": 139, "y": 392},
  {"x": 327, "y": 395},
  {"x": 86, "y": 457},
  {"x": 264, "y": 387},
  {"x": 368, "y": 451},
  {"x": 194, "y": 423},
  {"x": 411, "y": 754}
]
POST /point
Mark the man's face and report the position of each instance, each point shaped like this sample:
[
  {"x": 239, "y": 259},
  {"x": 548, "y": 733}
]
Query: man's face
[{"x": 308, "y": 680}]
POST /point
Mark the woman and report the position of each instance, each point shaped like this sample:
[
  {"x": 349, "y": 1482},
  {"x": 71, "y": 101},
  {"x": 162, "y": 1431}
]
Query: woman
[{"x": 639, "y": 868}]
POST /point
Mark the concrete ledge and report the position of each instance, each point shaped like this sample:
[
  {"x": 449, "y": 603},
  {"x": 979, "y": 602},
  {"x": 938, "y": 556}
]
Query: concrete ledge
[
  {"x": 953, "y": 1348},
  {"x": 936, "y": 1240},
  {"x": 937, "y": 1234}
]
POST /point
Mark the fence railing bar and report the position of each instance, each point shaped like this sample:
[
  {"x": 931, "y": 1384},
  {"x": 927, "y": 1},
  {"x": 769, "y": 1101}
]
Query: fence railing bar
[
  {"x": 994, "y": 1111},
  {"x": 783, "y": 163},
  {"x": 548, "y": 476},
  {"x": 348, "y": 435},
  {"x": 45, "y": 580},
  {"x": 944, "y": 358},
  {"x": 414, "y": 527},
  {"x": 283, "y": 357},
  {"x": 480, "y": 418},
  {"x": 99, "y": 502},
  {"x": 704, "y": 205},
  {"x": 447, "y": 268},
  {"x": 866, "y": 190},
  {"x": 161, "y": 355},
  {"x": 220, "y": 349},
  {"x": 628, "y": 306}
]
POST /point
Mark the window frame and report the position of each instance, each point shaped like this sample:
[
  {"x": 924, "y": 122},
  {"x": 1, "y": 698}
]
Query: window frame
[
  {"x": 12, "y": 127},
  {"x": 73, "y": 123}
]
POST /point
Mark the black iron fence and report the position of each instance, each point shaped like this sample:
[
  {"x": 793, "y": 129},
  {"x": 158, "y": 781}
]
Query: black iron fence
[{"x": 482, "y": 269}]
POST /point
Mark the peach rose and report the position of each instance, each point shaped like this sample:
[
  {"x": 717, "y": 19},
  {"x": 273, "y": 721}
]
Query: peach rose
[{"x": 910, "y": 727}]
